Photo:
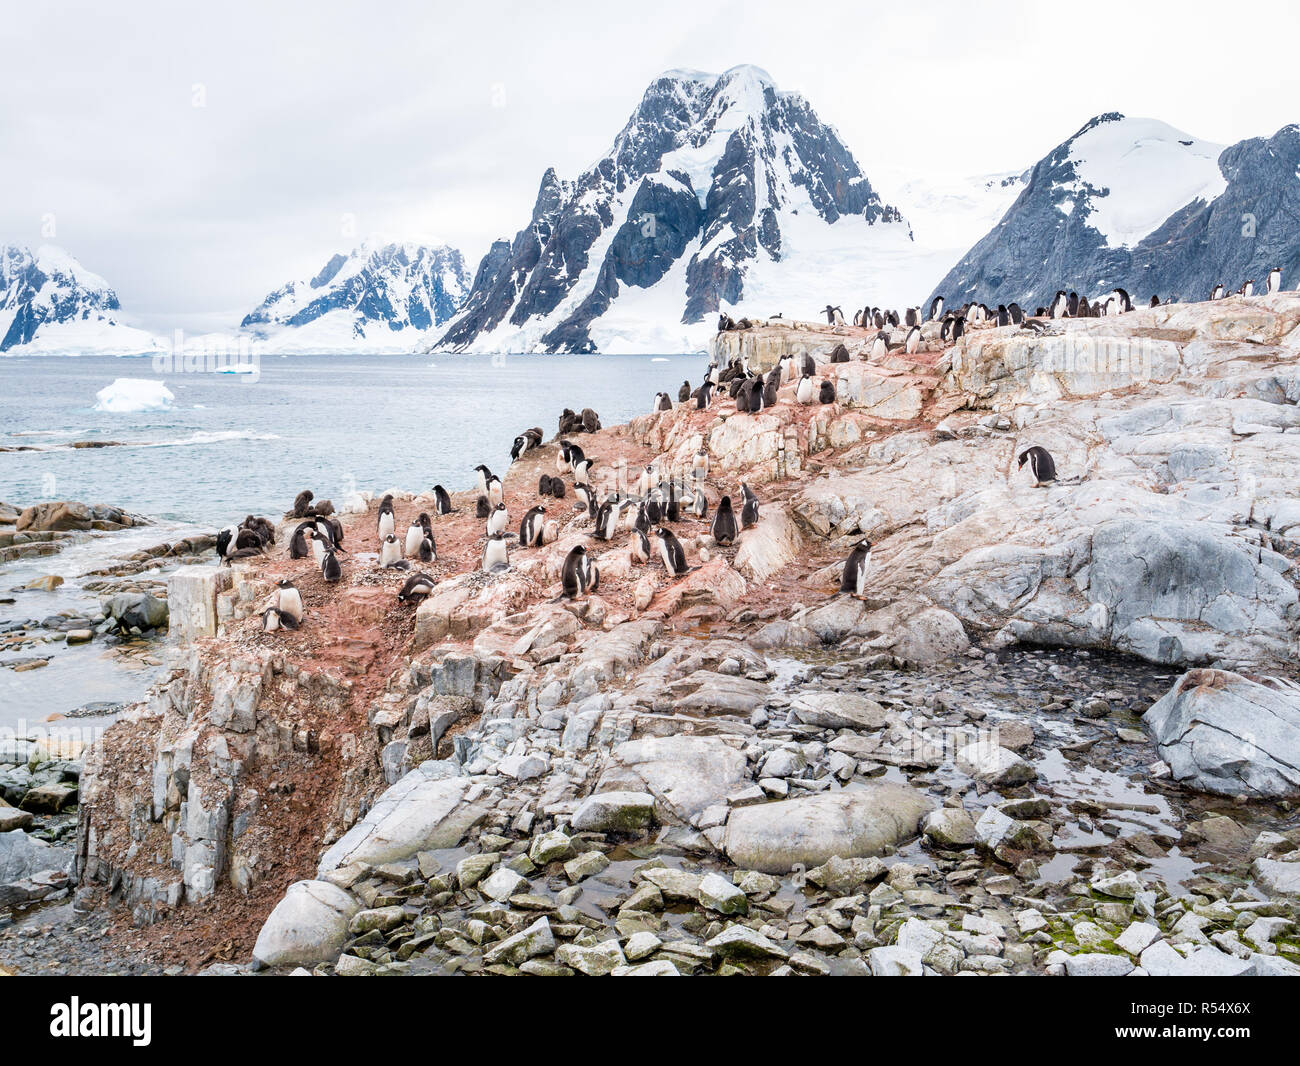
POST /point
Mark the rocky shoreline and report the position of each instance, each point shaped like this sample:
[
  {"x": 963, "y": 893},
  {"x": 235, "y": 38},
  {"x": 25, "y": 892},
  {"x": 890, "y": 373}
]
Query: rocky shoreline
[{"x": 1056, "y": 736}]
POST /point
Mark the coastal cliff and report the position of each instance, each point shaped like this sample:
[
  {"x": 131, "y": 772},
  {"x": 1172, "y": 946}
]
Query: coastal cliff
[{"x": 499, "y": 781}]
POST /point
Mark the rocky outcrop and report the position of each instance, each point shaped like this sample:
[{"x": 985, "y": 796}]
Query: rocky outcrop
[
  {"x": 1220, "y": 732},
  {"x": 67, "y": 515}
]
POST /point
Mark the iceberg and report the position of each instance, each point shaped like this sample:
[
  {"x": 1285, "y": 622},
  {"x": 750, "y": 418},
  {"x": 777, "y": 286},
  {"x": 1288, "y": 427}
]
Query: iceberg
[{"x": 127, "y": 395}]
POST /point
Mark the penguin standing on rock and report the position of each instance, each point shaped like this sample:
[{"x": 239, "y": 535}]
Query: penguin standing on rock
[
  {"x": 496, "y": 557},
  {"x": 441, "y": 501},
  {"x": 803, "y": 392},
  {"x": 417, "y": 587},
  {"x": 419, "y": 529},
  {"x": 530, "y": 529},
  {"x": 386, "y": 519},
  {"x": 390, "y": 553},
  {"x": 1040, "y": 463},
  {"x": 749, "y": 510},
  {"x": 579, "y": 574},
  {"x": 640, "y": 550},
  {"x": 855, "y": 569},
  {"x": 1274, "y": 281},
  {"x": 671, "y": 552},
  {"x": 288, "y": 603},
  {"x": 913, "y": 341},
  {"x": 329, "y": 567},
  {"x": 498, "y": 519},
  {"x": 723, "y": 529}
]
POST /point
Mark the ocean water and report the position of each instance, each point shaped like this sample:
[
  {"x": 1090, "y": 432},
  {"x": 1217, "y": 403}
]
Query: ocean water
[{"x": 229, "y": 445}]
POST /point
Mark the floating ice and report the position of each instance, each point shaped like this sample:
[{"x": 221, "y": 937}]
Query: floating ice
[{"x": 127, "y": 395}]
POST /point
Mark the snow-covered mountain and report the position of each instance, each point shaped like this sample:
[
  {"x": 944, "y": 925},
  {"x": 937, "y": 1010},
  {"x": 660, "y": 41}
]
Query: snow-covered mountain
[
  {"x": 1137, "y": 203},
  {"x": 379, "y": 297},
  {"x": 51, "y": 304},
  {"x": 720, "y": 193}
]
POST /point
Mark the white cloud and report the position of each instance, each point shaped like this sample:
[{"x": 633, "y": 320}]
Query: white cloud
[{"x": 387, "y": 112}]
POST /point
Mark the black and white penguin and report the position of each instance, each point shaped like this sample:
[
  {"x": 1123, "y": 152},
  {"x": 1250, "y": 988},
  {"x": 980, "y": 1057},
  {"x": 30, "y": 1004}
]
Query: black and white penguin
[
  {"x": 320, "y": 544},
  {"x": 498, "y": 519},
  {"x": 288, "y": 602},
  {"x": 1217, "y": 292},
  {"x": 299, "y": 543},
  {"x": 329, "y": 567},
  {"x": 834, "y": 316},
  {"x": 582, "y": 471},
  {"x": 958, "y": 328},
  {"x": 704, "y": 397},
  {"x": 1274, "y": 281},
  {"x": 484, "y": 474},
  {"x": 723, "y": 528},
  {"x": 1247, "y": 288},
  {"x": 913, "y": 341},
  {"x": 748, "y": 510},
  {"x": 579, "y": 574},
  {"x": 496, "y": 557},
  {"x": 826, "y": 394},
  {"x": 386, "y": 520},
  {"x": 855, "y": 569},
  {"x": 803, "y": 392},
  {"x": 441, "y": 501},
  {"x": 671, "y": 552},
  {"x": 495, "y": 493},
  {"x": 880, "y": 346},
  {"x": 1017, "y": 314},
  {"x": 390, "y": 552},
  {"x": 1040, "y": 464},
  {"x": 271, "y": 620},
  {"x": 428, "y": 552},
  {"x": 586, "y": 498},
  {"x": 699, "y": 504},
  {"x": 1003, "y": 315},
  {"x": 936, "y": 308},
  {"x": 416, "y": 588},
  {"x": 684, "y": 393},
  {"x": 1060, "y": 304},
  {"x": 530, "y": 529},
  {"x": 607, "y": 519},
  {"x": 663, "y": 402},
  {"x": 419, "y": 528}
]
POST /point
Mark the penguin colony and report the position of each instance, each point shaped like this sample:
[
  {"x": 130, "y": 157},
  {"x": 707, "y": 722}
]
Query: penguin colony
[{"x": 646, "y": 510}]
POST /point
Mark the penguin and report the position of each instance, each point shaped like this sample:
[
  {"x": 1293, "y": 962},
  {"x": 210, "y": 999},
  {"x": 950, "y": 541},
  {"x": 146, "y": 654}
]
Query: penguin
[
  {"x": 880, "y": 346},
  {"x": 1003, "y": 315},
  {"x": 390, "y": 552},
  {"x": 301, "y": 504},
  {"x": 530, "y": 529},
  {"x": 419, "y": 528},
  {"x": 441, "y": 501},
  {"x": 550, "y": 531},
  {"x": 912, "y": 317},
  {"x": 582, "y": 471},
  {"x": 699, "y": 505},
  {"x": 386, "y": 519},
  {"x": 494, "y": 491},
  {"x": 1274, "y": 281},
  {"x": 757, "y": 396},
  {"x": 482, "y": 508},
  {"x": 741, "y": 396},
  {"x": 913, "y": 341},
  {"x": 723, "y": 529},
  {"x": 641, "y": 520},
  {"x": 299, "y": 547},
  {"x": 1085, "y": 311},
  {"x": 579, "y": 574},
  {"x": 1155, "y": 301},
  {"x": 240, "y": 555},
  {"x": 1247, "y": 288},
  {"x": 640, "y": 547},
  {"x": 855, "y": 569},
  {"x": 1060, "y": 304},
  {"x": 526, "y": 441},
  {"x": 416, "y": 588},
  {"x": 1040, "y": 464},
  {"x": 809, "y": 365},
  {"x": 428, "y": 552},
  {"x": 1123, "y": 303},
  {"x": 704, "y": 398},
  {"x": 770, "y": 393},
  {"x": 562, "y": 463},
  {"x": 225, "y": 540},
  {"x": 804, "y": 390},
  {"x": 607, "y": 520},
  {"x": 1217, "y": 292},
  {"x": 544, "y": 485},
  {"x": 498, "y": 519},
  {"x": 586, "y": 498},
  {"x": 270, "y": 620},
  {"x": 936, "y": 308},
  {"x": 484, "y": 474},
  {"x": 288, "y": 602},
  {"x": 671, "y": 553},
  {"x": 320, "y": 544},
  {"x": 646, "y": 481},
  {"x": 1072, "y": 304},
  {"x": 827, "y": 393},
  {"x": 834, "y": 316},
  {"x": 700, "y": 465},
  {"x": 496, "y": 557},
  {"x": 786, "y": 365},
  {"x": 590, "y": 420},
  {"x": 663, "y": 402},
  {"x": 329, "y": 567},
  {"x": 839, "y": 354},
  {"x": 1017, "y": 314},
  {"x": 557, "y": 488},
  {"x": 684, "y": 393},
  {"x": 517, "y": 449},
  {"x": 958, "y": 328},
  {"x": 749, "y": 510}
]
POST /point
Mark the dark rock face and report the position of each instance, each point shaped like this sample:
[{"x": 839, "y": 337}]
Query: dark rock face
[
  {"x": 1049, "y": 239},
  {"x": 702, "y": 171},
  {"x": 46, "y": 288},
  {"x": 397, "y": 286}
]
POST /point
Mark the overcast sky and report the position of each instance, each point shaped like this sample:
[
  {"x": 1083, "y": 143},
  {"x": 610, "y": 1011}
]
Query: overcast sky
[{"x": 199, "y": 156}]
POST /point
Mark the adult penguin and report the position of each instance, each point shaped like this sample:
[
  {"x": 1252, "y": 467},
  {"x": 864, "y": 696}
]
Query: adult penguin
[
  {"x": 530, "y": 529},
  {"x": 579, "y": 574},
  {"x": 749, "y": 510},
  {"x": 386, "y": 520},
  {"x": 498, "y": 519},
  {"x": 671, "y": 553},
  {"x": 417, "y": 587},
  {"x": 428, "y": 551},
  {"x": 723, "y": 528},
  {"x": 803, "y": 392},
  {"x": 288, "y": 603},
  {"x": 299, "y": 545},
  {"x": 390, "y": 552},
  {"x": 329, "y": 567},
  {"x": 441, "y": 501},
  {"x": 1041, "y": 464},
  {"x": 855, "y": 569}
]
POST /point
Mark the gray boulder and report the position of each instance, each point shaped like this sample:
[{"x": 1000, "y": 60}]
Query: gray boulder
[{"x": 308, "y": 926}]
